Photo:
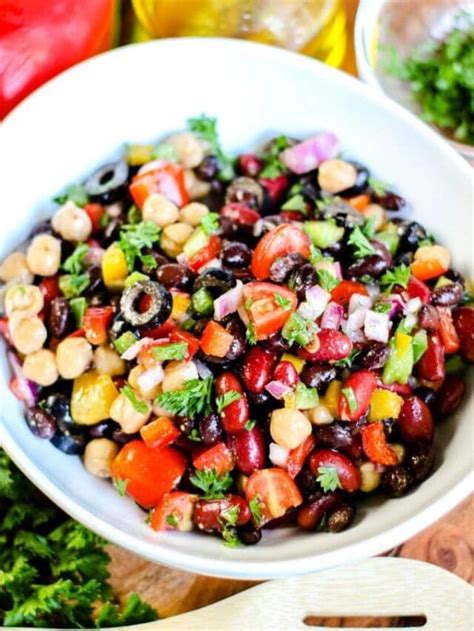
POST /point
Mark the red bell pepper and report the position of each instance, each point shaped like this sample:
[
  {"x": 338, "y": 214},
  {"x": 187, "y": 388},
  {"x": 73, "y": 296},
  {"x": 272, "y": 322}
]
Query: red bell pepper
[
  {"x": 178, "y": 335},
  {"x": 376, "y": 447},
  {"x": 95, "y": 212},
  {"x": 216, "y": 340},
  {"x": 167, "y": 179},
  {"x": 275, "y": 187},
  {"x": 205, "y": 254},
  {"x": 160, "y": 432},
  {"x": 346, "y": 288},
  {"x": 417, "y": 289},
  {"x": 297, "y": 456},
  {"x": 447, "y": 331},
  {"x": 96, "y": 322},
  {"x": 218, "y": 457}
]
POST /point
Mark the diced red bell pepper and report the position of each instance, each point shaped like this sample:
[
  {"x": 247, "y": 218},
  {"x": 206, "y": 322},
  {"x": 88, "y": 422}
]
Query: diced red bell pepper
[
  {"x": 178, "y": 335},
  {"x": 4, "y": 330},
  {"x": 432, "y": 365},
  {"x": 376, "y": 448},
  {"x": 447, "y": 331},
  {"x": 77, "y": 333},
  {"x": 216, "y": 340},
  {"x": 346, "y": 288},
  {"x": 161, "y": 331},
  {"x": 218, "y": 457},
  {"x": 359, "y": 202},
  {"x": 418, "y": 289},
  {"x": 95, "y": 212},
  {"x": 362, "y": 384},
  {"x": 430, "y": 261},
  {"x": 210, "y": 251},
  {"x": 239, "y": 214},
  {"x": 275, "y": 187},
  {"x": 96, "y": 322},
  {"x": 297, "y": 456},
  {"x": 167, "y": 179},
  {"x": 160, "y": 432}
]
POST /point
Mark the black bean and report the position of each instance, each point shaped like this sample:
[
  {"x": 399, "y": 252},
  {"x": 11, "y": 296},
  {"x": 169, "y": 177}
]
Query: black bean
[
  {"x": 249, "y": 535},
  {"x": 270, "y": 221},
  {"x": 112, "y": 230},
  {"x": 60, "y": 317},
  {"x": 172, "y": 275},
  {"x": 318, "y": 375},
  {"x": 307, "y": 483},
  {"x": 210, "y": 429},
  {"x": 374, "y": 356},
  {"x": 159, "y": 259},
  {"x": 236, "y": 254},
  {"x": 302, "y": 279},
  {"x": 341, "y": 518},
  {"x": 104, "y": 429},
  {"x": 59, "y": 406},
  {"x": 335, "y": 435},
  {"x": 276, "y": 343},
  {"x": 245, "y": 190},
  {"x": 344, "y": 214},
  {"x": 413, "y": 234},
  {"x": 382, "y": 251},
  {"x": 396, "y": 481},
  {"x": 283, "y": 266},
  {"x": 360, "y": 184},
  {"x": 389, "y": 201},
  {"x": 455, "y": 276},
  {"x": 392, "y": 430},
  {"x": 41, "y": 422},
  {"x": 427, "y": 395},
  {"x": 120, "y": 437},
  {"x": 227, "y": 228},
  {"x": 259, "y": 398},
  {"x": 404, "y": 258},
  {"x": 448, "y": 295},
  {"x": 234, "y": 326},
  {"x": 100, "y": 298},
  {"x": 420, "y": 460},
  {"x": 208, "y": 169},
  {"x": 428, "y": 318},
  {"x": 372, "y": 265},
  {"x": 70, "y": 444}
]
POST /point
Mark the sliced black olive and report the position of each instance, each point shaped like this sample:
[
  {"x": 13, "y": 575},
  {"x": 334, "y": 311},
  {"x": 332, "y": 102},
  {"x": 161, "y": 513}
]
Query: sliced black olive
[
  {"x": 245, "y": 190},
  {"x": 361, "y": 182},
  {"x": 215, "y": 280},
  {"x": 344, "y": 214},
  {"x": 108, "y": 184},
  {"x": 158, "y": 311}
]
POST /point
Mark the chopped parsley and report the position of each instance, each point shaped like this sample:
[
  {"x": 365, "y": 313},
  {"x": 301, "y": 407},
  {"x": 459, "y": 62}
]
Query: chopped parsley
[
  {"x": 250, "y": 424},
  {"x": 283, "y": 302},
  {"x": 379, "y": 187},
  {"x": 382, "y": 307},
  {"x": 328, "y": 478},
  {"x": 350, "y": 398},
  {"x": 256, "y": 511},
  {"x": 250, "y": 333},
  {"x": 120, "y": 485},
  {"x": 229, "y": 519},
  {"x": 212, "y": 485},
  {"x": 138, "y": 405},
  {"x": 193, "y": 399},
  {"x": 206, "y": 129},
  {"x": 195, "y": 435},
  {"x": 73, "y": 285},
  {"x": 327, "y": 280},
  {"x": 398, "y": 276},
  {"x": 210, "y": 223},
  {"x": 299, "y": 329},
  {"x": 315, "y": 254},
  {"x": 75, "y": 193},
  {"x": 295, "y": 203},
  {"x": 362, "y": 246},
  {"x": 134, "y": 215},
  {"x": 226, "y": 399},
  {"x": 164, "y": 151},
  {"x": 171, "y": 520},
  {"x": 272, "y": 165},
  {"x": 74, "y": 263},
  {"x": 134, "y": 238},
  {"x": 369, "y": 228},
  {"x": 174, "y": 351}
]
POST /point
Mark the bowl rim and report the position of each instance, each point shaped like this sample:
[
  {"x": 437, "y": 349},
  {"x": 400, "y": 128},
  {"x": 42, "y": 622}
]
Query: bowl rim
[{"x": 367, "y": 546}]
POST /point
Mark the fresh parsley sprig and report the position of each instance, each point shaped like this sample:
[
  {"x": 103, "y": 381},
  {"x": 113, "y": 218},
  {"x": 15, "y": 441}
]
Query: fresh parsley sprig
[
  {"x": 272, "y": 165},
  {"x": 328, "y": 478},
  {"x": 327, "y": 280},
  {"x": 398, "y": 276},
  {"x": 134, "y": 238},
  {"x": 362, "y": 246},
  {"x": 210, "y": 223},
  {"x": 193, "y": 399},
  {"x": 205, "y": 128},
  {"x": 75, "y": 262},
  {"x": 226, "y": 399},
  {"x": 212, "y": 485}
]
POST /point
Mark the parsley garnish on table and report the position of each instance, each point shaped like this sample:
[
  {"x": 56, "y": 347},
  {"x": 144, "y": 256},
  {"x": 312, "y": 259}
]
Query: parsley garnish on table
[{"x": 53, "y": 571}]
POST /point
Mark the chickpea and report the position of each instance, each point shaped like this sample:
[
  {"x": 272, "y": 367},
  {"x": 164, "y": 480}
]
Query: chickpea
[
  {"x": 129, "y": 419},
  {"x": 193, "y": 213},
  {"x": 72, "y": 222},
  {"x": 320, "y": 415},
  {"x": 15, "y": 268},
  {"x": 160, "y": 210},
  {"x": 189, "y": 149},
  {"x": 196, "y": 188},
  {"x": 99, "y": 455},
  {"x": 41, "y": 367},
  {"x": 335, "y": 176},
  {"x": 157, "y": 409},
  {"x": 378, "y": 213},
  {"x": 289, "y": 428},
  {"x": 137, "y": 383},
  {"x": 399, "y": 450},
  {"x": 28, "y": 334},
  {"x": 73, "y": 356},
  {"x": 44, "y": 255},
  {"x": 369, "y": 476},
  {"x": 25, "y": 299},
  {"x": 176, "y": 373},
  {"x": 174, "y": 237},
  {"x": 108, "y": 362}
]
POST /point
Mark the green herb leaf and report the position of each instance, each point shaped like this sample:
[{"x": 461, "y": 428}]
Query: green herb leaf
[
  {"x": 139, "y": 405},
  {"x": 299, "y": 329},
  {"x": 362, "y": 246},
  {"x": 315, "y": 254},
  {"x": 351, "y": 398},
  {"x": 229, "y": 519},
  {"x": 171, "y": 520},
  {"x": 134, "y": 215},
  {"x": 382, "y": 307},
  {"x": 134, "y": 238},
  {"x": 226, "y": 399},
  {"x": 296, "y": 203},
  {"x": 283, "y": 302},
  {"x": 328, "y": 478},
  {"x": 379, "y": 187},
  {"x": 164, "y": 151},
  {"x": 250, "y": 424},
  {"x": 75, "y": 193},
  {"x": 120, "y": 485},
  {"x": 205, "y": 128},
  {"x": 210, "y": 223},
  {"x": 250, "y": 334},
  {"x": 327, "y": 280},
  {"x": 74, "y": 263},
  {"x": 174, "y": 351},
  {"x": 212, "y": 485},
  {"x": 272, "y": 165},
  {"x": 256, "y": 511},
  {"x": 195, "y": 435},
  {"x": 369, "y": 228},
  {"x": 193, "y": 399},
  {"x": 398, "y": 276},
  {"x": 73, "y": 285}
]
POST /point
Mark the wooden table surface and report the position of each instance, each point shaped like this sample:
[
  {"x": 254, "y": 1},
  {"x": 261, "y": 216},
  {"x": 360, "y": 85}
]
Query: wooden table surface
[{"x": 448, "y": 543}]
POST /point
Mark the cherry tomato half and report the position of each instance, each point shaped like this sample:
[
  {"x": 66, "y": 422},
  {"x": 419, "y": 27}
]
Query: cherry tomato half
[
  {"x": 263, "y": 307},
  {"x": 275, "y": 490},
  {"x": 281, "y": 240},
  {"x": 174, "y": 512}
]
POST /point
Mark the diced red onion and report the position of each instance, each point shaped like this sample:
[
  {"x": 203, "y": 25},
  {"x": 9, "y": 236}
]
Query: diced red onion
[
  {"x": 212, "y": 264},
  {"x": 182, "y": 259},
  {"x": 151, "y": 377},
  {"x": 377, "y": 326},
  {"x": 94, "y": 256},
  {"x": 357, "y": 301},
  {"x": 27, "y": 388},
  {"x": 413, "y": 306},
  {"x": 203, "y": 371},
  {"x": 337, "y": 270},
  {"x": 114, "y": 210},
  {"x": 134, "y": 349},
  {"x": 357, "y": 336},
  {"x": 277, "y": 389},
  {"x": 278, "y": 455},
  {"x": 308, "y": 155},
  {"x": 307, "y": 311},
  {"x": 318, "y": 298},
  {"x": 229, "y": 302},
  {"x": 397, "y": 305},
  {"x": 332, "y": 316},
  {"x": 355, "y": 321},
  {"x": 152, "y": 166}
]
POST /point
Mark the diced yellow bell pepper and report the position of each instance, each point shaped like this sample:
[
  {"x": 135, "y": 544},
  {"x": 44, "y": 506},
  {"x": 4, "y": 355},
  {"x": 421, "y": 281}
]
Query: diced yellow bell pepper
[
  {"x": 402, "y": 343},
  {"x": 92, "y": 397},
  {"x": 181, "y": 302},
  {"x": 384, "y": 404},
  {"x": 296, "y": 361},
  {"x": 332, "y": 396},
  {"x": 114, "y": 268},
  {"x": 290, "y": 401},
  {"x": 139, "y": 154}
]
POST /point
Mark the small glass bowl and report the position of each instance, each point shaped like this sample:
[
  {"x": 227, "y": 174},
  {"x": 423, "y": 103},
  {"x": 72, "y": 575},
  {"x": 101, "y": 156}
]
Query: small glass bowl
[{"x": 404, "y": 24}]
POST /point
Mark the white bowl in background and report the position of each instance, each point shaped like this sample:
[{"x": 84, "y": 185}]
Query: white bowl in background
[{"x": 143, "y": 92}]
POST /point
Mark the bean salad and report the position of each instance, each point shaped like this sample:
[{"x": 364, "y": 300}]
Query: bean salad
[{"x": 238, "y": 343}]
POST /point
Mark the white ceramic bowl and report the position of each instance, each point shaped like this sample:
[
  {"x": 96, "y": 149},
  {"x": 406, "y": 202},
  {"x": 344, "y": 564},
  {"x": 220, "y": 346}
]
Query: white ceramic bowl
[{"x": 142, "y": 92}]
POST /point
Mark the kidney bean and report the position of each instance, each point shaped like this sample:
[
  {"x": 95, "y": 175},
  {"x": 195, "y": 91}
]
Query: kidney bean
[
  {"x": 390, "y": 201},
  {"x": 41, "y": 423},
  {"x": 240, "y": 215},
  {"x": 236, "y": 254},
  {"x": 372, "y": 265},
  {"x": 420, "y": 459},
  {"x": 175, "y": 276},
  {"x": 210, "y": 429},
  {"x": 227, "y": 228},
  {"x": 286, "y": 373},
  {"x": 347, "y": 472},
  {"x": 450, "y": 395},
  {"x": 276, "y": 343},
  {"x": 382, "y": 251},
  {"x": 257, "y": 369},
  {"x": 448, "y": 295},
  {"x": 208, "y": 513},
  {"x": 60, "y": 317},
  {"x": 311, "y": 513},
  {"x": 415, "y": 421},
  {"x": 333, "y": 345},
  {"x": 249, "y": 449},
  {"x": 396, "y": 481},
  {"x": 374, "y": 356},
  {"x": 464, "y": 322},
  {"x": 249, "y": 164},
  {"x": 302, "y": 279},
  {"x": 275, "y": 187},
  {"x": 428, "y": 318},
  {"x": 341, "y": 518},
  {"x": 318, "y": 376},
  {"x": 208, "y": 169},
  {"x": 431, "y": 366},
  {"x": 249, "y": 535},
  {"x": 411, "y": 237},
  {"x": 362, "y": 383},
  {"x": 245, "y": 190},
  {"x": 427, "y": 395},
  {"x": 283, "y": 266},
  {"x": 236, "y": 414}
]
